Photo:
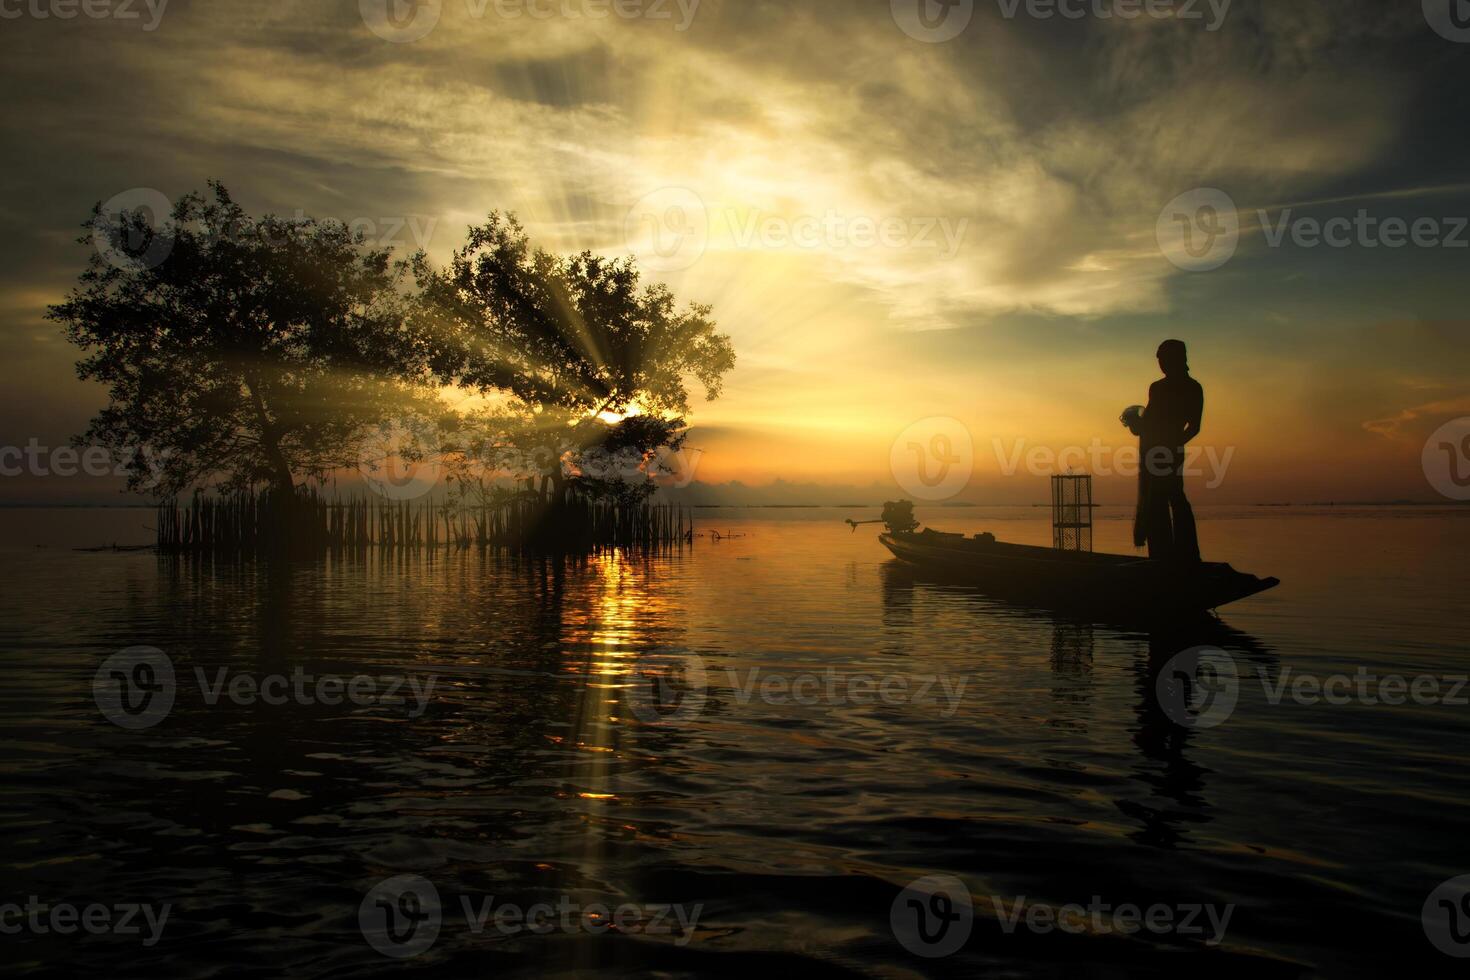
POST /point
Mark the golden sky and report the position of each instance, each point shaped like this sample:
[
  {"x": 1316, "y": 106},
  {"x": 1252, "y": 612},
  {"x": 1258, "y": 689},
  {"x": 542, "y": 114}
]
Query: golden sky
[{"x": 890, "y": 229}]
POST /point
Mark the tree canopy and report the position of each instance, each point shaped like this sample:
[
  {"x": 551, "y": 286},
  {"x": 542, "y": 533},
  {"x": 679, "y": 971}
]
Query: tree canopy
[
  {"x": 263, "y": 351},
  {"x": 255, "y": 352},
  {"x": 577, "y": 333},
  {"x": 576, "y": 339}
]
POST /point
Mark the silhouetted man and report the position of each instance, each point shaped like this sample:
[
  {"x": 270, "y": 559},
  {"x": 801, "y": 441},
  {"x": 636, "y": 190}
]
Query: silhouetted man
[{"x": 1176, "y": 403}]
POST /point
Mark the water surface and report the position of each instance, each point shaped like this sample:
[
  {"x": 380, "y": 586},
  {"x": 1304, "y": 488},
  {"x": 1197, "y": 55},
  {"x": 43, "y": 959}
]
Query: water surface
[{"x": 539, "y": 768}]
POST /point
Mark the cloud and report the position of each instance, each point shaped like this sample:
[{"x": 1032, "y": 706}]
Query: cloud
[
  {"x": 1393, "y": 427},
  {"x": 1047, "y": 165}
]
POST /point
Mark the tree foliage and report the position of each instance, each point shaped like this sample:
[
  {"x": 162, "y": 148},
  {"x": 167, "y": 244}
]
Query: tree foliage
[
  {"x": 259, "y": 351},
  {"x": 573, "y": 338},
  {"x": 256, "y": 351}
]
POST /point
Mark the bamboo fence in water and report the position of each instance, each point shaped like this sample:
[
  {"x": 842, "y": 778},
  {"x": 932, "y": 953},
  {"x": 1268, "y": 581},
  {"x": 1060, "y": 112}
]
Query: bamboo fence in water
[{"x": 248, "y": 524}]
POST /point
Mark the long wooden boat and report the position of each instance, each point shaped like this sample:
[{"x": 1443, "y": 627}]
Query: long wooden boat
[{"x": 1115, "y": 586}]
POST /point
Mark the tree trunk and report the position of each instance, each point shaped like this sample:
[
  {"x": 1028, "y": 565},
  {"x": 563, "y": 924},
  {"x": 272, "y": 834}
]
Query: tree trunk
[{"x": 283, "y": 485}]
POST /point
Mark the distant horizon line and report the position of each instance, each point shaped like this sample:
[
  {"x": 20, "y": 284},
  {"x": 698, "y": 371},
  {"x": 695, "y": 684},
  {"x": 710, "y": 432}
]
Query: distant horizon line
[{"x": 954, "y": 505}]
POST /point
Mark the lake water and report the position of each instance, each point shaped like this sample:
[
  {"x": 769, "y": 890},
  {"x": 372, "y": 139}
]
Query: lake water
[{"x": 771, "y": 735}]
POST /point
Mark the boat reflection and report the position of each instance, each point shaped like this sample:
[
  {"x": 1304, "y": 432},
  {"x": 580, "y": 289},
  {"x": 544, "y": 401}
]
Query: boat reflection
[{"x": 1174, "y": 799}]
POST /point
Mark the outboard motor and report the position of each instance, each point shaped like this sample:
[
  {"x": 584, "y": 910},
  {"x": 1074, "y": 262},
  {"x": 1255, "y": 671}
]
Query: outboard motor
[{"x": 898, "y": 515}]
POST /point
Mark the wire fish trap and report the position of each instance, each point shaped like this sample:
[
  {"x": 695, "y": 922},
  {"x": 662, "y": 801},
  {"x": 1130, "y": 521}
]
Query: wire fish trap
[{"x": 1071, "y": 512}]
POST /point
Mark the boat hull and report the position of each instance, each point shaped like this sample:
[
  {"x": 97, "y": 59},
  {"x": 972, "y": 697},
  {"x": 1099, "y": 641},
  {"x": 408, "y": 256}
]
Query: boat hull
[{"x": 1110, "y": 586}]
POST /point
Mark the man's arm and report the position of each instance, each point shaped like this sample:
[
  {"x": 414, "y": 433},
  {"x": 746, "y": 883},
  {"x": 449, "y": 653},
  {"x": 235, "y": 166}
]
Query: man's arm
[
  {"x": 1195, "y": 415},
  {"x": 1148, "y": 411}
]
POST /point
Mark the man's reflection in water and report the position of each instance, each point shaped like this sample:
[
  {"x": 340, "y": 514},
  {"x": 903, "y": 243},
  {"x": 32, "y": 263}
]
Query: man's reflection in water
[{"x": 1178, "y": 783}]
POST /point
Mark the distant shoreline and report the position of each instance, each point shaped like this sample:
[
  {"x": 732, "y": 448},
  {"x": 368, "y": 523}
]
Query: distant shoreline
[{"x": 961, "y": 505}]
